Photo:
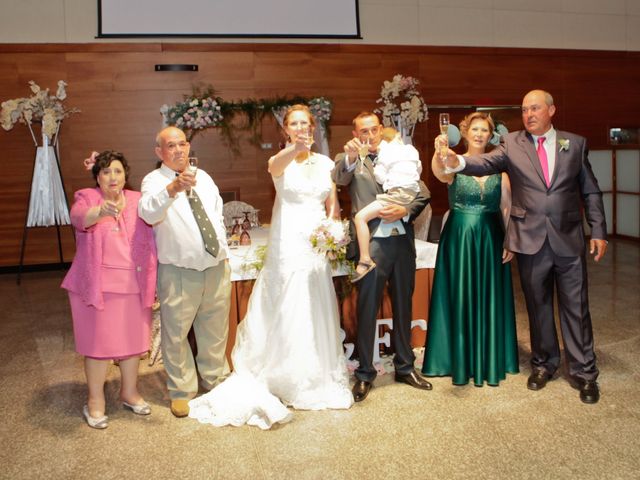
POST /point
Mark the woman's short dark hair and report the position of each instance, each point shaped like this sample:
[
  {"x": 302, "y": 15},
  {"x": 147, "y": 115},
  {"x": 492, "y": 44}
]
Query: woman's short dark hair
[{"x": 104, "y": 159}]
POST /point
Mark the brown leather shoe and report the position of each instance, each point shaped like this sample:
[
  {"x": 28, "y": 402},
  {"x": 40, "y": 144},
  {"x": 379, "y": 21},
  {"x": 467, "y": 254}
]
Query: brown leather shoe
[
  {"x": 360, "y": 390},
  {"x": 415, "y": 380},
  {"x": 538, "y": 380},
  {"x": 180, "y": 408}
]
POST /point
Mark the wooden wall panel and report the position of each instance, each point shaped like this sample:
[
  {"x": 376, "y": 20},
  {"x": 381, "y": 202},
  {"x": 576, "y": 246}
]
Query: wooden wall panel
[{"x": 120, "y": 94}]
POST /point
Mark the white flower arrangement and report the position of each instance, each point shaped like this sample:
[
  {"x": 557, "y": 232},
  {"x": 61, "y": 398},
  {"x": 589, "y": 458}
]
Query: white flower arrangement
[
  {"x": 331, "y": 238},
  {"x": 39, "y": 107},
  {"x": 402, "y": 101}
]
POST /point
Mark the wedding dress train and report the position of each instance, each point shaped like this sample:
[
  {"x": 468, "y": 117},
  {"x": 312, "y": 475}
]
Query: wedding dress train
[{"x": 287, "y": 350}]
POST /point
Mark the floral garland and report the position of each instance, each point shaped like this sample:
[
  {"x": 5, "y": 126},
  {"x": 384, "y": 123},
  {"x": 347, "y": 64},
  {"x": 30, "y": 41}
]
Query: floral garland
[
  {"x": 321, "y": 109},
  {"x": 39, "y": 107},
  {"x": 401, "y": 99},
  {"x": 203, "y": 109}
]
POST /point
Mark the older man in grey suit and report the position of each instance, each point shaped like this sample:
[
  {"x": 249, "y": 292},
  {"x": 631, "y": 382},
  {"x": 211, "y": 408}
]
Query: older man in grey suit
[
  {"x": 551, "y": 181},
  {"x": 392, "y": 249}
]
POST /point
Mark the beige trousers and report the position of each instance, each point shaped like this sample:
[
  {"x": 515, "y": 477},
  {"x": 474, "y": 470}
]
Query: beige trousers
[{"x": 200, "y": 299}]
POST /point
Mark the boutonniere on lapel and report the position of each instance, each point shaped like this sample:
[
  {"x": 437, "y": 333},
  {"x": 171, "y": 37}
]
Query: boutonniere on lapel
[{"x": 564, "y": 144}]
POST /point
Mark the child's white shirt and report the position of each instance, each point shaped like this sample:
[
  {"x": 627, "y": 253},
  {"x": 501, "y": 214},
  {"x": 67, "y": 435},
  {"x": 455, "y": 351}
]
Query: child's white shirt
[{"x": 398, "y": 165}]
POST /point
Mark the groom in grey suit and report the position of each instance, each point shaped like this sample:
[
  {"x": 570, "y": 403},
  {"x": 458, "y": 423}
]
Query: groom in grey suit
[
  {"x": 551, "y": 182},
  {"x": 393, "y": 251}
]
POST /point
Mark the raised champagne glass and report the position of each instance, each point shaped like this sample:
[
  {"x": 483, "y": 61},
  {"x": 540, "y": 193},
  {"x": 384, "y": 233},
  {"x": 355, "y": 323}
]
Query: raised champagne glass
[
  {"x": 363, "y": 151},
  {"x": 193, "y": 168},
  {"x": 304, "y": 133},
  {"x": 444, "y": 130},
  {"x": 116, "y": 218}
]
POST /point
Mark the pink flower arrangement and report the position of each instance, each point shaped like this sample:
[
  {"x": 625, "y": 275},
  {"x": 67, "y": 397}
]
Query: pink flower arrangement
[{"x": 197, "y": 112}]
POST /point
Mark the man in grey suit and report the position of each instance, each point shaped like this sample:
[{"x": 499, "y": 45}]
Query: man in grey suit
[
  {"x": 393, "y": 251},
  {"x": 551, "y": 181}
]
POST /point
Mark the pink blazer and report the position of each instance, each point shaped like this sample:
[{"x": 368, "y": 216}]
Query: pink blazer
[{"x": 84, "y": 276}]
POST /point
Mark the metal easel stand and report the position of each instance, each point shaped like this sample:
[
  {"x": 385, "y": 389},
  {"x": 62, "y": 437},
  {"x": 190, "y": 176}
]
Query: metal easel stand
[{"x": 48, "y": 204}]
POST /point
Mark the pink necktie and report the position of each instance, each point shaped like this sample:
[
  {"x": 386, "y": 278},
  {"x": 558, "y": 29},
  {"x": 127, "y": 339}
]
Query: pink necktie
[{"x": 542, "y": 156}]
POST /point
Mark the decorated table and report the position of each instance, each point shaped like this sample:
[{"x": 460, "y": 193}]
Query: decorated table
[{"x": 243, "y": 276}]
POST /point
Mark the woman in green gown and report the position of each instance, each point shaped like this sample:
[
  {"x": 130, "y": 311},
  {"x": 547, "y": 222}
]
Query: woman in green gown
[{"x": 472, "y": 332}]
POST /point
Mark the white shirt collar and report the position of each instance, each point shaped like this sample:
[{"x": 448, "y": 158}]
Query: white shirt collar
[{"x": 549, "y": 136}]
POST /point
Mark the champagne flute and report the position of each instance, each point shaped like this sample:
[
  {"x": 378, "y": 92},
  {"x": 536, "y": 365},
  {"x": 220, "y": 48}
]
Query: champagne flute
[
  {"x": 310, "y": 141},
  {"x": 116, "y": 218},
  {"x": 193, "y": 168},
  {"x": 444, "y": 130},
  {"x": 304, "y": 135},
  {"x": 363, "y": 151}
]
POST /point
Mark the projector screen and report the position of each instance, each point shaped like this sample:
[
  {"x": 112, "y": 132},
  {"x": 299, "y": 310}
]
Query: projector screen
[{"x": 229, "y": 18}]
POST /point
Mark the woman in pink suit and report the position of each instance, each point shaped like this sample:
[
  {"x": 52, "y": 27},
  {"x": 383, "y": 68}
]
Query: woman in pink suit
[{"x": 111, "y": 283}]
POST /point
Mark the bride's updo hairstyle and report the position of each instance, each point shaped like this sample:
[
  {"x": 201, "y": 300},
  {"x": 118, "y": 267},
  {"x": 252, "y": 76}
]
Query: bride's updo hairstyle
[
  {"x": 299, "y": 108},
  {"x": 466, "y": 122},
  {"x": 285, "y": 121}
]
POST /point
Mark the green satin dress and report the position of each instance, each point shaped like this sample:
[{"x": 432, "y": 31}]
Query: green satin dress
[{"x": 472, "y": 332}]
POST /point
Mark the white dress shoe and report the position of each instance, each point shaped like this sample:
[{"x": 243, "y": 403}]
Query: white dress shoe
[
  {"x": 139, "y": 409},
  {"x": 100, "y": 422}
]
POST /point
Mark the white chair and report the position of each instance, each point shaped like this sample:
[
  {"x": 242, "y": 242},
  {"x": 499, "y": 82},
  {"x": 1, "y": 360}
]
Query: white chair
[
  {"x": 422, "y": 224},
  {"x": 236, "y": 208}
]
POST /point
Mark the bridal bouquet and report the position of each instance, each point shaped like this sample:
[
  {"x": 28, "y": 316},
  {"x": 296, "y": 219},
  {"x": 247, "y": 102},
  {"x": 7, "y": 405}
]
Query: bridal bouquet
[
  {"x": 331, "y": 238},
  {"x": 402, "y": 104}
]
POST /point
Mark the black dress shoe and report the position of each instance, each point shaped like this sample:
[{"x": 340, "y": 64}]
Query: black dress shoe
[
  {"x": 537, "y": 380},
  {"x": 589, "y": 391},
  {"x": 415, "y": 380},
  {"x": 360, "y": 390}
]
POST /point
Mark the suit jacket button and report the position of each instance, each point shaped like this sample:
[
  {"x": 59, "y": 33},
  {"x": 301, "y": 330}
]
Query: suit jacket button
[{"x": 138, "y": 269}]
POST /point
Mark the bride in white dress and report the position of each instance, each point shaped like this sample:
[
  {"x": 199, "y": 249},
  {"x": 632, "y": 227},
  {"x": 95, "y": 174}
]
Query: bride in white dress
[{"x": 288, "y": 350}]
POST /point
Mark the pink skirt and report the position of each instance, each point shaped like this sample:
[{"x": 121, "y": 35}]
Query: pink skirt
[{"x": 121, "y": 330}]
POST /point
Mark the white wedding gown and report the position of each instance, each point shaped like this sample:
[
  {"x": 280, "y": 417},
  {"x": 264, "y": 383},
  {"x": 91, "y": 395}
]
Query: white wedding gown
[{"x": 287, "y": 350}]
